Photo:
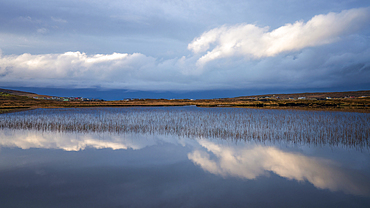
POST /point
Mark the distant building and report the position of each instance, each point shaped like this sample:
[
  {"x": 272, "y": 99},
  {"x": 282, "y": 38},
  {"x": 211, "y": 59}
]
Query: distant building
[{"x": 301, "y": 98}]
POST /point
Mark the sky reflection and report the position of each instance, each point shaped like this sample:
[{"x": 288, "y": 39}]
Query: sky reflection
[
  {"x": 220, "y": 157},
  {"x": 253, "y": 161},
  {"x": 72, "y": 141}
]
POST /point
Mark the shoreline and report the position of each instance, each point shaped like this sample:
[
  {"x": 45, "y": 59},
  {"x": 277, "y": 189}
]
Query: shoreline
[
  {"x": 13, "y": 101},
  {"x": 12, "y": 109}
]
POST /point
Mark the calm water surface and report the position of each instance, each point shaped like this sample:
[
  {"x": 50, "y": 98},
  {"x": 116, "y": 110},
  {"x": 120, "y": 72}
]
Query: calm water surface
[{"x": 184, "y": 157}]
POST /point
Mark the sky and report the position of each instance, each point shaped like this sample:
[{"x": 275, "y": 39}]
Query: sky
[{"x": 194, "y": 48}]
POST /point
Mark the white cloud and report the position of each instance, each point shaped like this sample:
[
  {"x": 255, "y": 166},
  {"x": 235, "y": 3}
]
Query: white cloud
[
  {"x": 117, "y": 70},
  {"x": 28, "y": 19},
  {"x": 72, "y": 65},
  {"x": 59, "y": 20},
  {"x": 309, "y": 68},
  {"x": 256, "y": 42},
  {"x": 266, "y": 66},
  {"x": 42, "y": 30}
]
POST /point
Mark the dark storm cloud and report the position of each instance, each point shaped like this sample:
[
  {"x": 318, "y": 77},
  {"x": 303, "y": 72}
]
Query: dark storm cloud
[
  {"x": 111, "y": 26},
  {"x": 184, "y": 45}
]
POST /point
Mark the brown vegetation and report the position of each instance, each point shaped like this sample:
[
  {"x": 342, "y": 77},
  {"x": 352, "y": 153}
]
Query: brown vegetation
[
  {"x": 359, "y": 104},
  {"x": 316, "y": 95}
]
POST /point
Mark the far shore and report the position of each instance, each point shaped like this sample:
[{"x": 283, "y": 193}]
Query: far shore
[
  {"x": 361, "y": 106},
  {"x": 355, "y": 101}
]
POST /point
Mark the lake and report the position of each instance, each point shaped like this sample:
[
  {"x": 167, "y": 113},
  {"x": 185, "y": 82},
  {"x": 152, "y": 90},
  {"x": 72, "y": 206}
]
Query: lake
[{"x": 184, "y": 157}]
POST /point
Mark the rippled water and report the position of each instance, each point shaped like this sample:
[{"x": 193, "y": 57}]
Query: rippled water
[{"x": 184, "y": 157}]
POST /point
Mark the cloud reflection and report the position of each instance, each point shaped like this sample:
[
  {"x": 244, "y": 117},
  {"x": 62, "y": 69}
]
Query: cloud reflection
[
  {"x": 26, "y": 139},
  {"x": 252, "y": 162},
  {"x": 69, "y": 142},
  {"x": 227, "y": 160}
]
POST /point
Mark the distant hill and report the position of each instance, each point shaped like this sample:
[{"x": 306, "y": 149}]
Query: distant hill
[
  {"x": 22, "y": 93},
  {"x": 358, "y": 101},
  {"x": 316, "y": 95}
]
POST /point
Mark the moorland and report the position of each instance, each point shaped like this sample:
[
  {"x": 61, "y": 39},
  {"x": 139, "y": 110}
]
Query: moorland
[{"x": 357, "y": 101}]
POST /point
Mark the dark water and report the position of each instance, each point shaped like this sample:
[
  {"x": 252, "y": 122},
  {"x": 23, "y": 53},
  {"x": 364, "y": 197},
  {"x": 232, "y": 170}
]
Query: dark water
[{"x": 184, "y": 157}]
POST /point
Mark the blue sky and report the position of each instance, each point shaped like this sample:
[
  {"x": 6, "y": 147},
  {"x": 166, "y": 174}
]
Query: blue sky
[{"x": 186, "y": 46}]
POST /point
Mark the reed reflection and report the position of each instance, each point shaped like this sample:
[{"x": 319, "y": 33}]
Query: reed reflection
[
  {"x": 305, "y": 127},
  {"x": 247, "y": 160}
]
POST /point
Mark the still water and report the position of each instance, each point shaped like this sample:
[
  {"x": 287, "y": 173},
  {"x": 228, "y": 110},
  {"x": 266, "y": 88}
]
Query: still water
[{"x": 184, "y": 157}]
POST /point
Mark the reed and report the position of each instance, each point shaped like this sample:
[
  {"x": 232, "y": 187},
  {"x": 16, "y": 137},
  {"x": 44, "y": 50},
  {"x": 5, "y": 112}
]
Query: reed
[{"x": 305, "y": 127}]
